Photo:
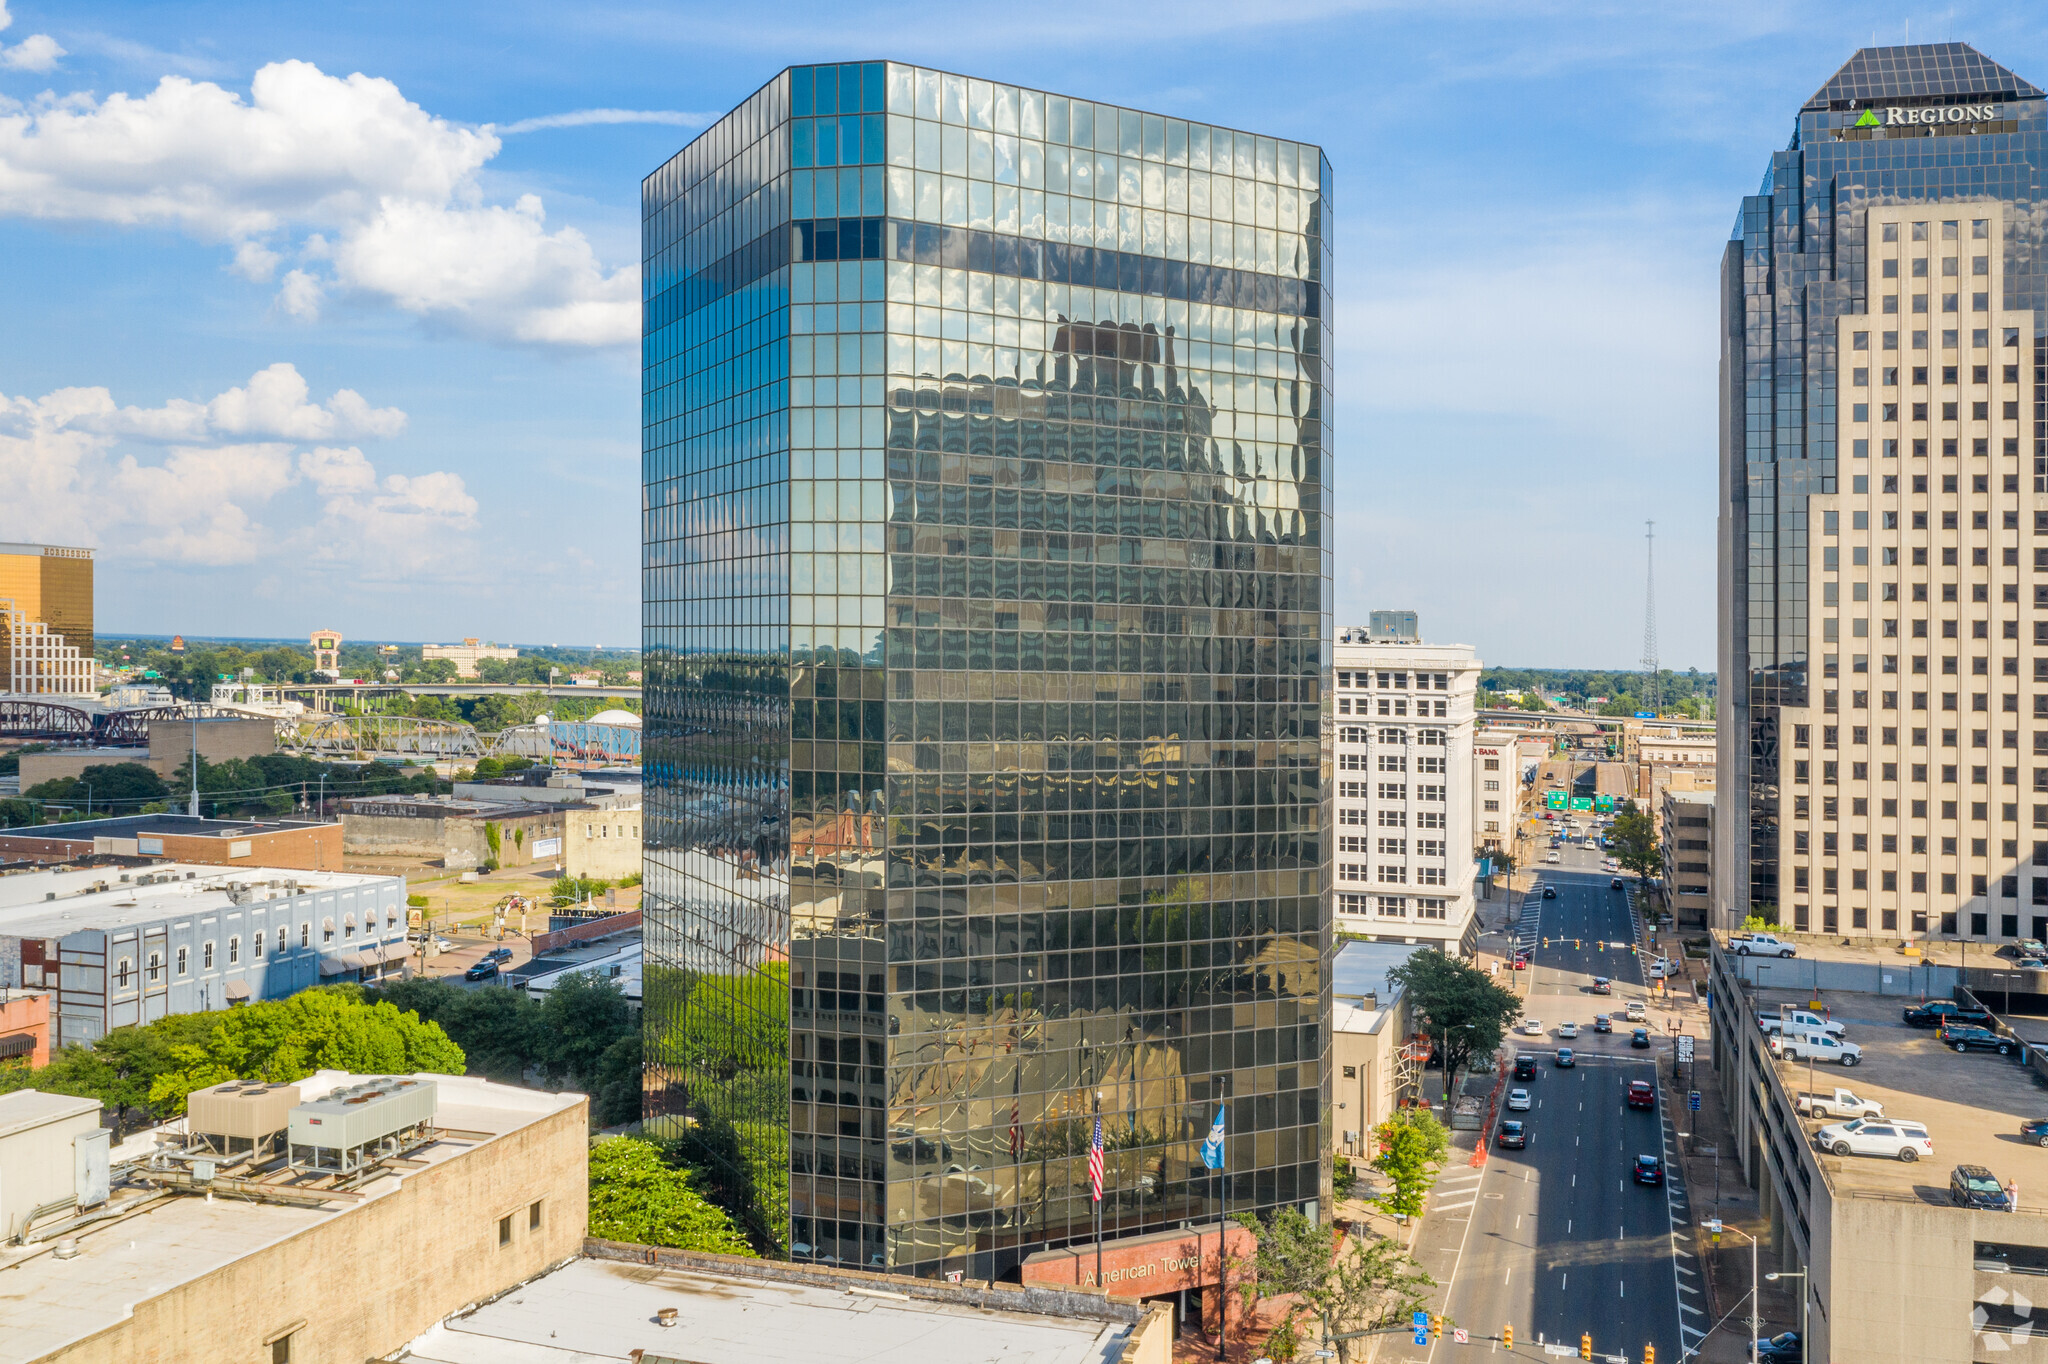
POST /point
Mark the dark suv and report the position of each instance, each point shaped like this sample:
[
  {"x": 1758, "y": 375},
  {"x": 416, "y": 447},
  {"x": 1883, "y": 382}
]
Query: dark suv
[
  {"x": 1973, "y": 1186},
  {"x": 1525, "y": 1067},
  {"x": 1936, "y": 1012},
  {"x": 1963, "y": 1037}
]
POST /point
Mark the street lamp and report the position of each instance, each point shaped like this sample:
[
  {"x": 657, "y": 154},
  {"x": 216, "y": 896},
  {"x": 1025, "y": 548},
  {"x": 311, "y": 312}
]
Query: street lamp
[
  {"x": 1799, "y": 1274},
  {"x": 1716, "y": 1226}
]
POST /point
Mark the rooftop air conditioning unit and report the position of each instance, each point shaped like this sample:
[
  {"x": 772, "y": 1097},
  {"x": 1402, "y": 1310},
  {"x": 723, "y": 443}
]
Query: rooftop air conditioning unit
[{"x": 361, "y": 1123}]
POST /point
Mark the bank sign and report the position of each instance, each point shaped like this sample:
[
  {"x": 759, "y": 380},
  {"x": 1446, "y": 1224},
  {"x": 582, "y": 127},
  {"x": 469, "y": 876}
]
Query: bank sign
[{"x": 1894, "y": 117}]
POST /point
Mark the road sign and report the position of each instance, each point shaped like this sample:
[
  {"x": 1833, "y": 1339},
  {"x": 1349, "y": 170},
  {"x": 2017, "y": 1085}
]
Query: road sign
[
  {"x": 1419, "y": 1320},
  {"x": 1458, "y": 1336},
  {"x": 1422, "y": 1337},
  {"x": 1685, "y": 1046},
  {"x": 1692, "y": 1101}
]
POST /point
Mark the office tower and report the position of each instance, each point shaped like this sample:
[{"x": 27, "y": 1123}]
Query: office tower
[
  {"x": 1883, "y": 613},
  {"x": 987, "y": 573},
  {"x": 1404, "y": 866},
  {"x": 46, "y": 642}
]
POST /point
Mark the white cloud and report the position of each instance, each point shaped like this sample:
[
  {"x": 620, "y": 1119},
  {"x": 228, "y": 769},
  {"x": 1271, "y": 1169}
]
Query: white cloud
[
  {"x": 231, "y": 488},
  {"x": 584, "y": 118},
  {"x": 37, "y": 52},
  {"x": 386, "y": 195}
]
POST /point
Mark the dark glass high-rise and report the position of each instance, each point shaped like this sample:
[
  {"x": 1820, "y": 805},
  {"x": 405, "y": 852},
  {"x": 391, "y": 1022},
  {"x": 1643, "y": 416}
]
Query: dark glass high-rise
[{"x": 987, "y": 593}]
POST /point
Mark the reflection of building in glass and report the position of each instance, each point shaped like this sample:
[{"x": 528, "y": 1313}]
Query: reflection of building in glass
[
  {"x": 1882, "y": 453},
  {"x": 987, "y": 572},
  {"x": 46, "y": 640}
]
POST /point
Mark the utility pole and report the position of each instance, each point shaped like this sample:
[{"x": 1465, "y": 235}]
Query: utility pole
[
  {"x": 1650, "y": 664},
  {"x": 194, "y": 810}
]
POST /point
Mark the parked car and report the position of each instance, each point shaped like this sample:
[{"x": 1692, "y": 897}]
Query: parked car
[
  {"x": 1761, "y": 945},
  {"x": 2035, "y": 1130},
  {"x": 1602, "y": 1023},
  {"x": 1964, "y": 1037},
  {"x": 483, "y": 970},
  {"x": 1649, "y": 1170},
  {"x": 1639, "y": 1039},
  {"x": 1662, "y": 967},
  {"x": 1907, "y": 1141},
  {"x": 2025, "y": 947},
  {"x": 1513, "y": 1133},
  {"x": 1518, "y": 1101},
  {"x": 1936, "y": 1012},
  {"x": 1783, "y": 1348},
  {"x": 1525, "y": 1067},
  {"x": 1568, "y": 1030},
  {"x": 1840, "y": 1104},
  {"x": 1794, "y": 1044},
  {"x": 1973, "y": 1186},
  {"x": 1803, "y": 1019},
  {"x": 1641, "y": 1094},
  {"x": 1602, "y": 985},
  {"x": 1565, "y": 1059}
]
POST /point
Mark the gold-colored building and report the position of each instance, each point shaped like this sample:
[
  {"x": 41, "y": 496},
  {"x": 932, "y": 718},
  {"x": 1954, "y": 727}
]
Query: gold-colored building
[{"x": 46, "y": 627}]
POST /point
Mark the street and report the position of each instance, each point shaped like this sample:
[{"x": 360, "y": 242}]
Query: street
[{"x": 1558, "y": 1239}]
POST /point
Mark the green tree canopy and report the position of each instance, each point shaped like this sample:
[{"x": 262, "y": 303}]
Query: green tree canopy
[
  {"x": 1412, "y": 1146},
  {"x": 637, "y": 1196},
  {"x": 1463, "y": 1011},
  {"x": 1362, "y": 1283},
  {"x": 1634, "y": 838},
  {"x": 119, "y": 788}
]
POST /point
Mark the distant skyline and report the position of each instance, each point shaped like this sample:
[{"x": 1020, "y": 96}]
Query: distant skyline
[{"x": 330, "y": 317}]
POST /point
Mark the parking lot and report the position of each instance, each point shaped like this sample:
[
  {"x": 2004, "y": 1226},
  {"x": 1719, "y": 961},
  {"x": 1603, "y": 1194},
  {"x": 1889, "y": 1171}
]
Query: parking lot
[{"x": 1971, "y": 1104}]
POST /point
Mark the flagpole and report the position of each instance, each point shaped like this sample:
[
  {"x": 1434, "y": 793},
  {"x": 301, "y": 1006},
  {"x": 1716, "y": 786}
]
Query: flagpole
[{"x": 1098, "y": 1204}]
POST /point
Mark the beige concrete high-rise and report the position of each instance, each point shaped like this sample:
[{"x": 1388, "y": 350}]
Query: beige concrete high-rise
[
  {"x": 46, "y": 622},
  {"x": 1906, "y": 772}
]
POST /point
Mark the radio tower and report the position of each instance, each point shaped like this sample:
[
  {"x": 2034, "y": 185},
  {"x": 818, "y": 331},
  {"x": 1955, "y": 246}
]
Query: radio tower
[{"x": 1650, "y": 665}]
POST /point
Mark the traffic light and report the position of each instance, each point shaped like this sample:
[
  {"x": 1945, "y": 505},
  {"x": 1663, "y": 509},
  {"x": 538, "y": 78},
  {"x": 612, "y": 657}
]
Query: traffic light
[
  {"x": 1507, "y": 1338},
  {"x": 1586, "y": 1345},
  {"x": 1649, "y": 1354},
  {"x": 1436, "y": 1323}
]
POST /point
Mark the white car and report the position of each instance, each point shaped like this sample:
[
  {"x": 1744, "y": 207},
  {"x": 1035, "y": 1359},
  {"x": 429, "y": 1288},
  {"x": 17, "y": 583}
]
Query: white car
[
  {"x": 1567, "y": 1030},
  {"x": 1661, "y": 967},
  {"x": 1518, "y": 1100},
  {"x": 1532, "y": 1027},
  {"x": 1902, "y": 1140},
  {"x": 1554, "y": 857}
]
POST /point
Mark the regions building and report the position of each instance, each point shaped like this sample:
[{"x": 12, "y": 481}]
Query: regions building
[
  {"x": 326, "y": 1221},
  {"x": 1404, "y": 768},
  {"x": 116, "y": 947},
  {"x": 46, "y": 639},
  {"x": 988, "y": 460},
  {"x": 290, "y": 844},
  {"x": 466, "y": 655},
  {"x": 1884, "y": 494}
]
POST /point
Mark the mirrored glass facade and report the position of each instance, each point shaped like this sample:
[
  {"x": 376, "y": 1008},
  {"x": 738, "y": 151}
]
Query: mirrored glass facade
[
  {"x": 1924, "y": 124},
  {"x": 987, "y": 477}
]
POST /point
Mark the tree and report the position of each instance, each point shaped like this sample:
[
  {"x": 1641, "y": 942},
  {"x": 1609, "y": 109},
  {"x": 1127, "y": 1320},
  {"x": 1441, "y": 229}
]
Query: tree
[
  {"x": 637, "y": 1196},
  {"x": 1412, "y": 1147},
  {"x": 1634, "y": 838},
  {"x": 121, "y": 788},
  {"x": 1362, "y": 1284},
  {"x": 580, "y": 1020},
  {"x": 1463, "y": 1011}
]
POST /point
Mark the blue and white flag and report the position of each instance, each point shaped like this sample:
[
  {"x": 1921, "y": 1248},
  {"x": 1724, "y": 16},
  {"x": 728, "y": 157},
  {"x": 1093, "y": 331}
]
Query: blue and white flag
[{"x": 1212, "y": 1149}]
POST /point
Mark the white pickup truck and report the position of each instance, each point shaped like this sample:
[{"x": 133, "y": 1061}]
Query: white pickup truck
[
  {"x": 1804, "y": 1020},
  {"x": 1840, "y": 1104},
  {"x": 1795, "y": 1045},
  {"x": 1761, "y": 945}
]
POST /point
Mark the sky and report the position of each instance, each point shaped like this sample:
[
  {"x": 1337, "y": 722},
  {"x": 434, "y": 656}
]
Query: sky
[{"x": 325, "y": 317}]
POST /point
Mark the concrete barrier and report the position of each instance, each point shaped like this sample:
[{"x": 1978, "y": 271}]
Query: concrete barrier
[{"x": 1909, "y": 980}]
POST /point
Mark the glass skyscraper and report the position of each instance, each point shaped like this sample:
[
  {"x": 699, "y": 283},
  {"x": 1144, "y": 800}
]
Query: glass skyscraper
[
  {"x": 987, "y": 594},
  {"x": 1882, "y": 457}
]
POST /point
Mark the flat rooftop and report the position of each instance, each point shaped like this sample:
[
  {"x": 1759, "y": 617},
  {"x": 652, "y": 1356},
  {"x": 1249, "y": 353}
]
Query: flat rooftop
[
  {"x": 457, "y": 807},
  {"x": 48, "y": 1304},
  {"x": 28, "y": 911},
  {"x": 1971, "y": 1103},
  {"x": 179, "y": 826},
  {"x": 594, "y": 1310}
]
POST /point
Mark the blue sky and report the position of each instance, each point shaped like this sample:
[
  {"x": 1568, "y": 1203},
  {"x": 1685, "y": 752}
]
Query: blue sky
[{"x": 324, "y": 316}]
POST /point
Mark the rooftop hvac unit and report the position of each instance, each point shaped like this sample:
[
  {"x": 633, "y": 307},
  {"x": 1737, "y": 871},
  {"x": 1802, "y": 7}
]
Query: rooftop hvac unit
[
  {"x": 238, "y": 1116},
  {"x": 361, "y": 1123}
]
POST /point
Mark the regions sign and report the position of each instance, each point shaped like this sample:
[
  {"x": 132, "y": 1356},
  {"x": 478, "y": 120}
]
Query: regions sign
[{"x": 1894, "y": 117}]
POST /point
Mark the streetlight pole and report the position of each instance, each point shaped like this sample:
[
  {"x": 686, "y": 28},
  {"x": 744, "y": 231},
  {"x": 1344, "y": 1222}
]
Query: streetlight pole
[
  {"x": 1800, "y": 1275},
  {"x": 1716, "y": 1225}
]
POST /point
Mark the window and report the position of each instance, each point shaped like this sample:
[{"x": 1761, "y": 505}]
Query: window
[
  {"x": 533, "y": 1217},
  {"x": 1431, "y": 909},
  {"x": 234, "y": 949},
  {"x": 206, "y": 957},
  {"x": 1393, "y": 819},
  {"x": 156, "y": 966},
  {"x": 305, "y": 936},
  {"x": 184, "y": 959},
  {"x": 1392, "y": 875},
  {"x": 1393, "y": 907},
  {"x": 348, "y": 926},
  {"x": 327, "y": 930},
  {"x": 123, "y": 970},
  {"x": 1391, "y": 735},
  {"x": 256, "y": 946},
  {"x": 1429, "y": 876},
  {"x": 505, "y": 1230},
  {"x": 1393, "y": 790},
  {"x": 1394, "y": 847}
]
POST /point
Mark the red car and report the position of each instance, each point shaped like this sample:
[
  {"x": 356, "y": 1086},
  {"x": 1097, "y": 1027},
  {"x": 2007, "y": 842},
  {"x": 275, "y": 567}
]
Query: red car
[
  {"x": 1641, "y": 1095},
  {"x": 1520, "y": 963}
]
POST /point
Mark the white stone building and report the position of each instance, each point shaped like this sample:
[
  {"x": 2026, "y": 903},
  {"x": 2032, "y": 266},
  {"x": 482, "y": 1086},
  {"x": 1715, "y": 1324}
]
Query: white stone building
[{"x": 1404, "y": 804}]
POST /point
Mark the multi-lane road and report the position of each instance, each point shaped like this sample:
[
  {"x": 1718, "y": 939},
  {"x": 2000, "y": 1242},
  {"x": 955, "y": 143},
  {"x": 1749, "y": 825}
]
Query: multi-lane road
[{"x": 1559, "y": 1240}]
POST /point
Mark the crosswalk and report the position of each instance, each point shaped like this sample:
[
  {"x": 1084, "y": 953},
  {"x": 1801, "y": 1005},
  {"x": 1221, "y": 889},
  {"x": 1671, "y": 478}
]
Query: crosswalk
[{"x": 1457, "y": 1189}]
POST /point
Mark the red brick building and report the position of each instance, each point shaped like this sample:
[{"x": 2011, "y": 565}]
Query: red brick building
[{"x": 288, "y": 844}]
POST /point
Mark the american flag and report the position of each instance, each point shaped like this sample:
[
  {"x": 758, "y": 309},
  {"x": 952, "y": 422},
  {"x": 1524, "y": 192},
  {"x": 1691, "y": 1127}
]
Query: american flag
[
  {"x": 1016, "y": 1129},
  {"x": 1095, "y": 1162}
]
